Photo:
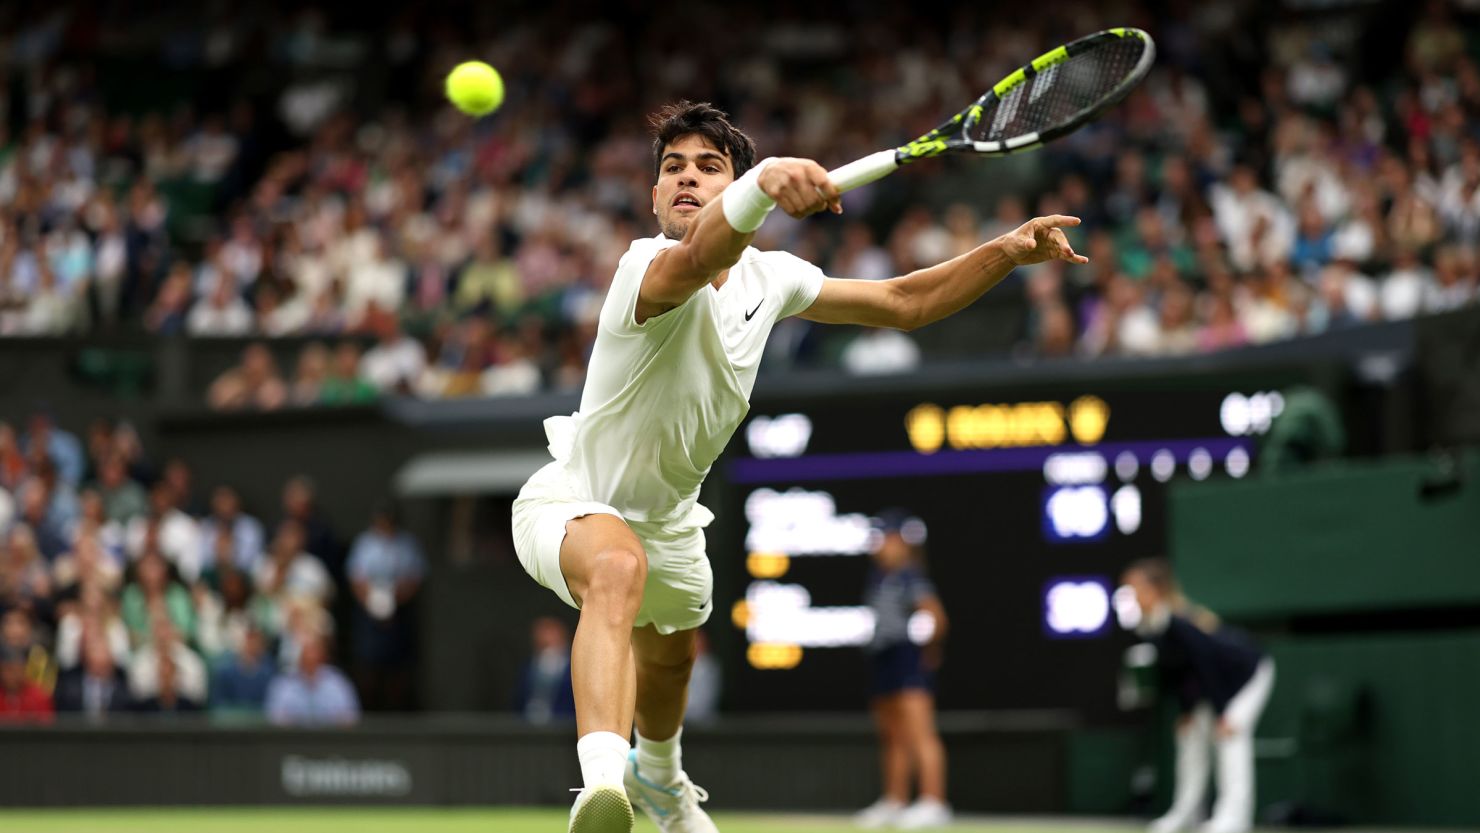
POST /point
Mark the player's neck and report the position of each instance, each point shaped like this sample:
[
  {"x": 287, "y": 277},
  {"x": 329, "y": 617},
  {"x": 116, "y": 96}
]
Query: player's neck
[{"x": 719, "y": 280}]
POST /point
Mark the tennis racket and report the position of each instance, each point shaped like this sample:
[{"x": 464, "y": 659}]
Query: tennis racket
[{"x": 1051, "y": 96}]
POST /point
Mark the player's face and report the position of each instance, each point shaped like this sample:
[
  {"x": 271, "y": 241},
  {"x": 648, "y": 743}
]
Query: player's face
[{"x": 692, "y": 174}]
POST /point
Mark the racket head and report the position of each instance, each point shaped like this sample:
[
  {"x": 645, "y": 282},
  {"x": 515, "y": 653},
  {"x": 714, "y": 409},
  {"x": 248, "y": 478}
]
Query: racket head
[{"x": 1051, "y": 96}]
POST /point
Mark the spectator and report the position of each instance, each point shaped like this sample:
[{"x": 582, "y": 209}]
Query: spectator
[
  {"x": 385, "y": 570},
  {"x": 1055, "y": 332},
  {"x": 62, "y": 506},
  {"x": 87, "y": 564},
  {"x": 313, "y": 370},
  {"x": 1454, "y": 281},
  {"x": 243, "y": 677},
  {"x": 175, "y": 534},
  {"x": 24, "y": 582},
  {"x": 18, "y": 632},
  {"x": 1178, "y": 333},
  {"x": 314, "y": 693},
  {"x": 230, "y": 534},
  {"x": 545, "y": 692},
  {"x": 93, "y": 522},
  {"x": 1223, "y": 329},
  {"x": 167, "y": 316},
  {"x": 152, "y": 593},
  {"x": 300, "y": 504},
  {"x": 169, "y": 694},
  {"x": 1255, "y": 225},
  {"x": 291, "y": 572},
  {"x": 123, "y": 499},
  {"x": 396, "y": 361},
  {"x": 1406, "y": 287},
  {"x": 224, "y": 616},
  {"x": 344, "y": 385},
  {"x": 181, "y": 481},
  {"x": 61, "y": 446},
  {"x": 224, "y": 313},
  {"x": 35, "y": 502},
  {"x": 515, "y": 374},
  {"x": 91, "y": 616},
  {"x": 880, "y": 352},
  {"x": 96, "y": 688},
  {"x": 252, "y": 384},
  {"x": 13, "y": 465},
  {"x": 185, "y": 678},
  {"x": 21, "y": 701}
]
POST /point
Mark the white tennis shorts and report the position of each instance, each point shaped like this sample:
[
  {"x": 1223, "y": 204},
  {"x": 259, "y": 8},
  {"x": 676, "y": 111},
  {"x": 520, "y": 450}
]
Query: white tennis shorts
[{"x": 679, "y": 594}]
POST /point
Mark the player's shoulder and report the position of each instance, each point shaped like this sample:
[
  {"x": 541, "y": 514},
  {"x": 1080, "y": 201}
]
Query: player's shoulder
[
  {"x": 776, "y": 260},
  {"x": 650, "y": 245}
]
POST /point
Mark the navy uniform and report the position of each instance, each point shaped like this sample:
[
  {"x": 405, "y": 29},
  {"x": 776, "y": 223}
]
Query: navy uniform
[{"x": 1219, "y": 676}]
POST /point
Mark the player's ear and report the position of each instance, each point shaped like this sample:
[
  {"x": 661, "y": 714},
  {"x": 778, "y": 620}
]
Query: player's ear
[{"x": 655, "y": 200}]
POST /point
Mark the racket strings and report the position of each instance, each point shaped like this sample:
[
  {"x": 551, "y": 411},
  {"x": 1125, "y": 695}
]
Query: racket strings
[{"x": 1056, "y": 94}]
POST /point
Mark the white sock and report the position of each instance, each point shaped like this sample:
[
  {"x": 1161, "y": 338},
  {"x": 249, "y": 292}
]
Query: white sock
[
  {"x": 603, "y": 758},
  {"x": 660, "y": 760}
]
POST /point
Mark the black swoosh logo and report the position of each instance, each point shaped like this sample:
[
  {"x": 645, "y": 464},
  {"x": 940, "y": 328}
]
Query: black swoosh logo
[{"x": 751, "y": 314}]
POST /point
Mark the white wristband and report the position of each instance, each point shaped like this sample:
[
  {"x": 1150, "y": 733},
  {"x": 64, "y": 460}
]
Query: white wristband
[{"x": 745, "y": 204}]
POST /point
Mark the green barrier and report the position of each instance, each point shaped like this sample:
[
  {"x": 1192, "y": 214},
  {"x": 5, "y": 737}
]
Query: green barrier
[{"x": 1396, "y": 534}]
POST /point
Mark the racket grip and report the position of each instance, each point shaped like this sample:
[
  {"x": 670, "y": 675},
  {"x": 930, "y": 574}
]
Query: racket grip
[{"x": 865, "y": 170}]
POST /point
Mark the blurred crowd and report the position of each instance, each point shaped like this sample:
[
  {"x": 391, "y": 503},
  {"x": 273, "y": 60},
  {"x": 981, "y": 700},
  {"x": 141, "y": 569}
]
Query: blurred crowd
[
  {"x": 125, "y": 588},
  {"x": 1277, "y": 175}
]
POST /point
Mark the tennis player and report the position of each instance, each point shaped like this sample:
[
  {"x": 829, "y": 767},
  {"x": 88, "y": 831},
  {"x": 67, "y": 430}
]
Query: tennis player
[
  {"x": 1221, "y": 680},
  {"x": 613, "y": 525}
]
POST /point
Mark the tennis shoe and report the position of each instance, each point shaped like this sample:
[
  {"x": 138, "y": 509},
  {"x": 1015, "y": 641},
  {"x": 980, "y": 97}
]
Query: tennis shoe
[
  {"x": 604, "y": 809},
  {"x": 674, "y": 807}
]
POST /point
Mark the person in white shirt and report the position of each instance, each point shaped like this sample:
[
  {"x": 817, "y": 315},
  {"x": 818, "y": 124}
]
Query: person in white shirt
[
  {"x": 613, "y": 525},
  {"x": 224, "y": 313}
]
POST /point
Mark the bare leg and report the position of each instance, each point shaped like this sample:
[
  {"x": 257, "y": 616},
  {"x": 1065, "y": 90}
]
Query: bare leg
[
  {"x": 917, "y": 714},
  {"x": 605, "y": 568},
  {"x": 664, "y": 664},
  {"x": 894, "y": 756}
]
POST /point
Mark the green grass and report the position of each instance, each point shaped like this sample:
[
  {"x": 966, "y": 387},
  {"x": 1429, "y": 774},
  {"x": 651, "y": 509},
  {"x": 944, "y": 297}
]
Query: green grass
[
  {"x": 238, "y": 820},
  {"x": 422, "y": 820}
]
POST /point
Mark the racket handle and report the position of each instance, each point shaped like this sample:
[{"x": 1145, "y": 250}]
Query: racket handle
[{"x": 866, "y": 170}]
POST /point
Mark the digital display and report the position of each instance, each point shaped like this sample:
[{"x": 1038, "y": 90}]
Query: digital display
[{"x": 1029, "y": 507}]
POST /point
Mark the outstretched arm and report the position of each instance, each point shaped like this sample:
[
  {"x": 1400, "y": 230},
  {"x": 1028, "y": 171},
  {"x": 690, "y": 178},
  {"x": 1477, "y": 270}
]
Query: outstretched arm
[
  {"x": 712, "y": 244},
  {"x": 928, "y": 295}
]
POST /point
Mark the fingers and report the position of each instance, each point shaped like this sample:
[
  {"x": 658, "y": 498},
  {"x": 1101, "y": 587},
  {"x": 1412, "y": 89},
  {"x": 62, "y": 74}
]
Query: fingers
[
  {"x": 1060, "y": 220},
  {"x": 832, "y": 198},
  {"x": 801, "y": 187},
  {"x": 1062, "y": 249}
]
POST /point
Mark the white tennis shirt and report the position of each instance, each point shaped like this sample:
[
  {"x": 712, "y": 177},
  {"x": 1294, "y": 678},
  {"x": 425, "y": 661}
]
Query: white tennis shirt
[{"x": 663, "y": 398}]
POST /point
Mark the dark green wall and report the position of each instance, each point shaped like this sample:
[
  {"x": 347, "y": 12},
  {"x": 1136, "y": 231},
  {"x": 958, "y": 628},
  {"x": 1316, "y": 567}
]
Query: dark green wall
[
  {"x": 1340, "y": 537},
  {"x": 1385, "y": 726}
]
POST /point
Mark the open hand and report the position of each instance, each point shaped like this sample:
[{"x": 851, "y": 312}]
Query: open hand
[
  {"x": 1041, "y": 239},
  {"x": 800, "y": 187}
]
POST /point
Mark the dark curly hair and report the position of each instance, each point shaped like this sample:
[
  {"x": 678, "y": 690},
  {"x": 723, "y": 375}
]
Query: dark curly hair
[{"x": 688, "y": 118}]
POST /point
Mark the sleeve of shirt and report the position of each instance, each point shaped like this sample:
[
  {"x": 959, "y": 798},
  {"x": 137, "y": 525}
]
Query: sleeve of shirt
[
  {"x": 619, "y": 311},
  {"x": 279, "y": 710},
  {"x": 800, "y": 285},
  {"x": 347, "y": 709},
  {"x": 355, "y": 567}
]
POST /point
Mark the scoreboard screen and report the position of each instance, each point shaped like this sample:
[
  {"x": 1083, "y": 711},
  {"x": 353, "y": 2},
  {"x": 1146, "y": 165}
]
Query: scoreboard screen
[{"x": 1032, "y": 506}]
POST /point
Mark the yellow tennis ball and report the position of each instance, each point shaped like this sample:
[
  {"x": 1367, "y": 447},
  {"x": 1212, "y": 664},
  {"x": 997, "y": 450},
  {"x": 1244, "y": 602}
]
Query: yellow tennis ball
[{"x": 476, "y": 88}]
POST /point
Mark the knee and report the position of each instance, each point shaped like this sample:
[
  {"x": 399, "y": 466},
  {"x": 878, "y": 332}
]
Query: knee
[{"x": 617, "y": 579}]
